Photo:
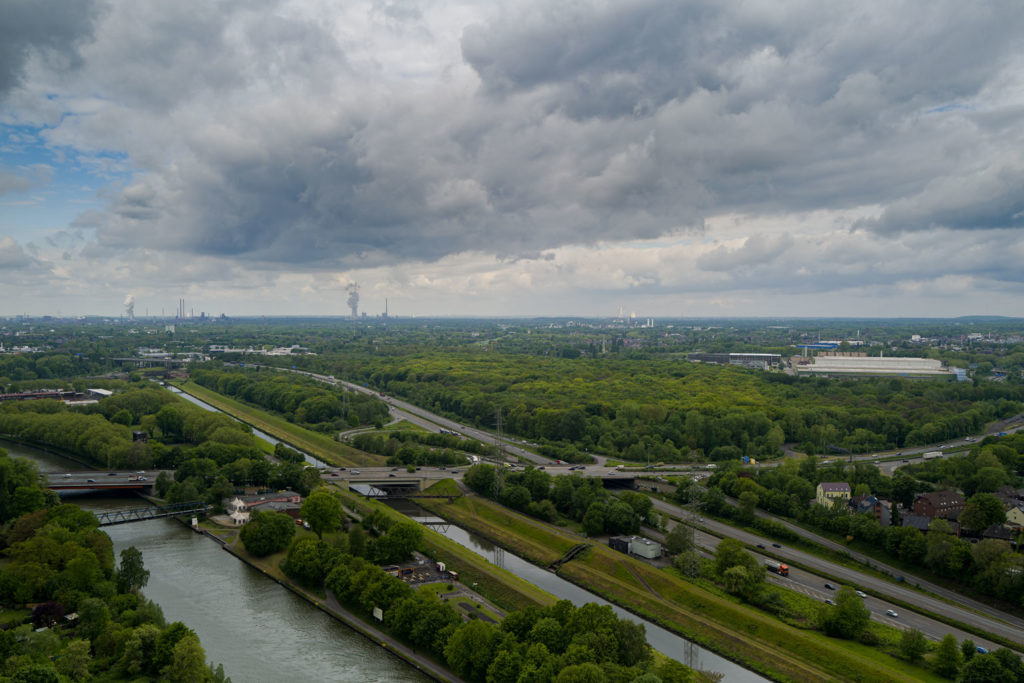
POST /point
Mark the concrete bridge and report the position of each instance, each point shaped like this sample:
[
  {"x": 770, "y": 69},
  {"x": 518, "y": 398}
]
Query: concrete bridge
[{"x": 91, "y": 480}]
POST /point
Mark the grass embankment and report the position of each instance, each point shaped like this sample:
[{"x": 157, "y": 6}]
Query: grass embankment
[
  {"x": 527, "y": 538},
  {"x": 846, "y": 560},
  {"x": 720, "y": 623},
  {"x": 318, "y": 445},
  {"x": 504, "y": 589}
]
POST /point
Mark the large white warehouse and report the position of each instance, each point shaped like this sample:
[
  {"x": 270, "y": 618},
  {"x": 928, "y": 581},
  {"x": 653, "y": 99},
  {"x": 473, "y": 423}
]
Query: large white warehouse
[{"x": 839, "y": 366}]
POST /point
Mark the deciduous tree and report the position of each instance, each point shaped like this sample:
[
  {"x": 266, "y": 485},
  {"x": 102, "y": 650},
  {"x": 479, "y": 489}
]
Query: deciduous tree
[
  {"x": 132, "y": 573},
  {"x": 322, "y": 511}
]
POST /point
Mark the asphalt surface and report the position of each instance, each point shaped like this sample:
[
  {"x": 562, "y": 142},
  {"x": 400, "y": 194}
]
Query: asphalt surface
[
  {"x": 99, "y": 479},
  {"x": 965, "y": 610},
  {"x": 813, "y": 585}
]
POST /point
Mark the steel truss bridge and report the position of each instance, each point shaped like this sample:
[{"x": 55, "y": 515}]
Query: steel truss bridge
[{"x": 142, "y": 514}]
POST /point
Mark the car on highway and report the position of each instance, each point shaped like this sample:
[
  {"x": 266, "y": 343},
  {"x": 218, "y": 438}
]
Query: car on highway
[
  {"x": 891, "y": 613},
  {"x": 111, "y": 474},
  {"x": 829, "y": 601},
  {"x": 391, "y": 474},
  {"x": 760, "y": 546},
  {"x": 355, "y": 472},
  {"x": 90, "y": 481},
  {"x": 830, "y": 586},
  {"x": 776, "y": 545},
  {"x": 981, "y": 650},
  {"x": 862, "y": 594},
  {"x": 67, "y": 476}
]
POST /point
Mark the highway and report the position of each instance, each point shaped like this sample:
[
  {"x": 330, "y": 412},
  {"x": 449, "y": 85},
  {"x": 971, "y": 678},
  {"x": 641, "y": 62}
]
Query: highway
[
  {"x": 811, "y": 582},
  {"x": 963, "y": 609},
  {"x": 92, "y": 479},
  {"x": 1005, "y": 625},
  {"x": 812, "y": 585},
  {"x": 424, "y": 418}
]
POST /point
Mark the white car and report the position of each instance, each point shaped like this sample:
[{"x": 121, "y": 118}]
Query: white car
[
  {"x": 862, "y": 594},
  {"x": 891, "y": 613}
]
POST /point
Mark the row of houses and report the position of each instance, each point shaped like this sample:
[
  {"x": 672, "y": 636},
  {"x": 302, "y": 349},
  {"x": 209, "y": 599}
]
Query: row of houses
[{"x": 945, "y": 505}]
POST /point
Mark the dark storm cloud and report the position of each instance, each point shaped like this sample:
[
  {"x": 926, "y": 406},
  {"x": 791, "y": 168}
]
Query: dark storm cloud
[
  {"x": 278, "y": 137},
  {"x": 51, "y": 28}
]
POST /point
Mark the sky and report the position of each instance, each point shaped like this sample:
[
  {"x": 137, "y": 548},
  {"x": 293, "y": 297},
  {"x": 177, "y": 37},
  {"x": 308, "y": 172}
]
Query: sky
[{"x": 668, "y": 158}]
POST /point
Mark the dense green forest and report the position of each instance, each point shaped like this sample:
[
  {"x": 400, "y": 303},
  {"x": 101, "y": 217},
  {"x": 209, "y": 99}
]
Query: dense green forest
[
  {"x": 298, "y": 399},
  {"x": 59, "y": 563},
  {"x": 412, "y": 447},
  {"x": 210, "y": 453},
  {"x": 671, "y": 411}
]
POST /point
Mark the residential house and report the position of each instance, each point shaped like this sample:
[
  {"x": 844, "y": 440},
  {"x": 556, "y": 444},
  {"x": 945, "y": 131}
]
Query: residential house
[
  {"x": 881, "y": 510},
  {"x": 830, "y": 491},
  {"x": 945, "y": 504},
  {"x": 240, "y": 508},
  {"x": 1015, "y": 517}
]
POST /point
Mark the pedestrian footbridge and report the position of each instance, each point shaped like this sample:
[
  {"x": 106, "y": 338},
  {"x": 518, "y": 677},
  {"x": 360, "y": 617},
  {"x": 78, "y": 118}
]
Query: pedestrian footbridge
[{"x": 142, "y": 514}]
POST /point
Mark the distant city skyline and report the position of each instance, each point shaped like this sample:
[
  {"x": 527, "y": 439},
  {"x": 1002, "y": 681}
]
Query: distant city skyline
[{"x": 522, "y": 158}]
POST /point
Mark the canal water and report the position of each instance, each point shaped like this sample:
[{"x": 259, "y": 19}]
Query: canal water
[
  {"x": 661, "y": 639},
  {"x": 233, "y": 608},
  {"x": 257, "y": 629}
]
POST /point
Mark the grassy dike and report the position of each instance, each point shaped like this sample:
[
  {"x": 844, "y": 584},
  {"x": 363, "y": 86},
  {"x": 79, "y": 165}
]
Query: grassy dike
[
  {"x": 504, "y": 589},
  {"x": 841, "y": 558},
  {"x": 318, "y": 445},
  {"x": 722, "y": 624}
]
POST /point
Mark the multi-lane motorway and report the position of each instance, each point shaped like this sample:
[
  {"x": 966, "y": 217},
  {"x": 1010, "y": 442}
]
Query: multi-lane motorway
[
  {"x": 91, "y": 479},
  {"x": 968, "y": 612}
]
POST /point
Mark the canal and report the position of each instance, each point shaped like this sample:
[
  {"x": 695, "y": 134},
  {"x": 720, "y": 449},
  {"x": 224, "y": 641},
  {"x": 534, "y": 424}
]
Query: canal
[
  {"x": 660, "y": 639},
  {"x": 258, "y": 630},
  {"x": 222, "y": 599}
]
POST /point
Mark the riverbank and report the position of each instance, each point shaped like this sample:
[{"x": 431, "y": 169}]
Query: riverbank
[
  {"x": 723, "y": 624},
  {"x": 331, "y": 607}
]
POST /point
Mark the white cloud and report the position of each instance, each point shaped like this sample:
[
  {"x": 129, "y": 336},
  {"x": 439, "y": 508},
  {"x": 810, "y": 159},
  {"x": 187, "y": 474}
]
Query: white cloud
[{"x": 536, "y": 154}]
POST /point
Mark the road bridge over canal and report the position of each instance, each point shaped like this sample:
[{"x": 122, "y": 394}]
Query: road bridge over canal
[{"x": 91, "y": 480}]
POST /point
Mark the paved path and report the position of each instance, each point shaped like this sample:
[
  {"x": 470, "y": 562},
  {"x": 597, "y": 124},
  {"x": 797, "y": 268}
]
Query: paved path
[{"x": 425, "y": 664}]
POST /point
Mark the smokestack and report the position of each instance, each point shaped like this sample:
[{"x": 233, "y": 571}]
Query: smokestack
[{"x": 353, "y": 298}]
